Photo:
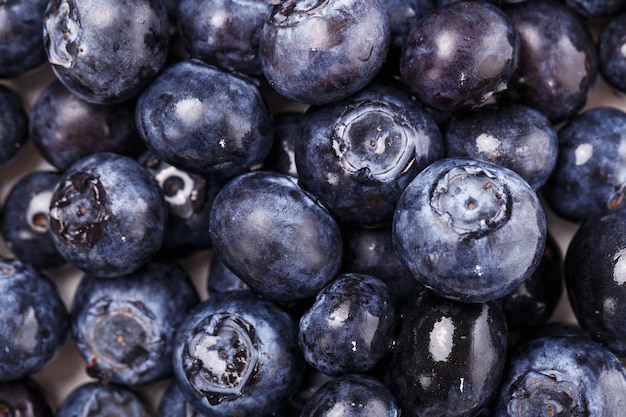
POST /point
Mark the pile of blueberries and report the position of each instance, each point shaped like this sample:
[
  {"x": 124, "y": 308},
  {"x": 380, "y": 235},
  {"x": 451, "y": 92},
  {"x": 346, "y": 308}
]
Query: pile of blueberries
[{"x": 369, "y": 179}]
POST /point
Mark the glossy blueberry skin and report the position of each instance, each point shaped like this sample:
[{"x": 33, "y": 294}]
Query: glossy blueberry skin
[
  {"x": 357, "y": 155},
  {"x": 24, "y": 220},
  {"x": 612, "y": 63},
  {"x": 124, "y": 326},
  {"x": 93, "y": 399},
  {"x": 106, "y": 51},
  {"x": 589, "y": 176},
  {"x": 224, "y": 33},
  {"x": 470, "y": 230},
  {"x": 348, "y": 329},
  {"x": 558, "y": 59},
  {"x": 204, "y": 120},
  {"x": 516, "y": 136},
  {"x": 568, "y": 376},
  {"x": 33, "y": 320},
  {"x": 449, "y": 357},
  {"x": 20, "y": 31},
  {"x": 237, "y": 354},
  {"x": 13, "y": 123},
  {"x": 459, "y": 55},
  {"x": 66, "y": 128},
  {"x": 319, "y": 51},
  {"x": 593, "y": 277},
  {"x": 282, "y": 156},
  {"x": 107, "y": 215},
  {"x": 24, "y": 398},
  {"x": 354, "y": 395},
  {"x": 275, "y": 236}
]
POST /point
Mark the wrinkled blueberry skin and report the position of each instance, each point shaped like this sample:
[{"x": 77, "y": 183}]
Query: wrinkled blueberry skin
[
  {"x": 33, "y": 320},
  {"x": 516, "y": 136},
  {"x": 352, "y": 396},
  {"x": 357, "y": 155},
  {"x": 558, "y": 60},
  {"x": 224, "y": 32},
  {"x": 107, "y": 215},
  {"x": 348, "y": 329},
  {"x": 105, "y": 52},
  {"x": 590, "y": 9},
  {"x": 282, "y": 156},
  {"x": 589, "y": 176},
  {"x": 13, "y": 123},
  {"x": 470, "y": 230},
  {"x": 93, "y": 399},
  {"x": 204, "y": 120},
  {"x": 24, "y": 220},
  {"x": 449, "y": 357},
  {"x": 66, "y": 128},
  {"x": 319, "y": 51},
  {"x": 124, "y": 326},
  {"x": 24, "y": 398},
  {"x": 562, "y": 376},
  {"x": 222, "y": 279},
  {"x": 458, "y": 56},
  {"x": 275, "y": 236},
  {"x": 21, "y": 38},
  {"x": 237, "y": 354},
  {"x": 612, "y": 62},
  {"x": 594, "y": 278}
]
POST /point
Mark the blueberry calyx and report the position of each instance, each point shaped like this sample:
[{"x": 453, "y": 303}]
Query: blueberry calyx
[
  {"x": 291, "y": 12},
  {"x": 36, "y": 214},
  {"x": 6, "y": 410},
  {"x": 63, "y": 20},
  {"x": 550, "y": 393}
]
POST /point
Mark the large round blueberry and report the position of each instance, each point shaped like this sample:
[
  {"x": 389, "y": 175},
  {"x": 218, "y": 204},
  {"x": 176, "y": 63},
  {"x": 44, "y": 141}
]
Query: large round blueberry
[
  {"x": 13, "y": 122},
  {"x": 237, "y": 354},
  {"x": 106, "y": 51},
  {"x": 459, "y": 55},
  {"x": 357, "y": 155},
  {"x": 275, "y": 236},
  {"x": 204, "y": 120},
  {"x": 93, "y": 399},
  {"x": 319, "y": 51},
  {"x": 33, "y": 320},
  {"x": 107, "y": 215},
  {"x": 469, "y": 229}
]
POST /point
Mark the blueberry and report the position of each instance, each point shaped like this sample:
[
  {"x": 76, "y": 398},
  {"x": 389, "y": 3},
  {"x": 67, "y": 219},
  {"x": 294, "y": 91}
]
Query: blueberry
[
  {"x": 449, "y": 357},
  {"x": 92, "y": 399},
  {"x": 354, "y": 395},
  {"x": 237, "y": 354},
  {"x": 459, "y": 55},
  {"x": 349, "y": 327},
  {"x": 589, "y": 177},
  {"x": 612, "y": 62},
  {"x": 24, "y": 398},
  {"x": 66, "y": 128},
  {"x": 124, "y": 326},
  {"x": 470, "y": 230},
  {"x": 33, "y": 320},
  {"x": 204, "y": 120},
  {"x": 516, "y": 136},
  {"x": 107, "y": 215},
  {"x": 357, "y": 155},
  {"x": 106, "y": 51},
  {"x": 562, "y": 376},
  {"x": 275, "y": 236},
  {"x": 319, "y": 51},
  {"x": 13, "y": 122},
  {"x": 25, "y": 220}
]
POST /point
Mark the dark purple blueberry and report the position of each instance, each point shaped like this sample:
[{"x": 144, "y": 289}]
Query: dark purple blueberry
[
  {"x": 611, "y": 47},
  {"x": 13, "y": 119},
  {"x": 516, "y": 136},
  {"x": 204, "y": 120},
  {"x": 470, "y": 230},
  {"x": 107, "y": 215},
  {"x": 24, "y": 398},
  {"x": 459, "y": 55},
  {"x": 222, "y": 279},
  {"x": 25, "y": 220},
  {"x": 282, "y": 158},
  {"x": 93, "y": 399},
  {"x": 237, "y": 354},
  {"x": 33, "y": 320},
  {"x": 558, "y": 62},
  {"x": 106, "y": 51},
  {"x": 562, "y": 376},
  {"x": 357, "y": 155},
  {"x": 275, "y": 236},
  {"x": 319, "y": 51},
  {"x": 449, "y": 357},
  {"x": 66, "y": 128}
]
